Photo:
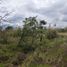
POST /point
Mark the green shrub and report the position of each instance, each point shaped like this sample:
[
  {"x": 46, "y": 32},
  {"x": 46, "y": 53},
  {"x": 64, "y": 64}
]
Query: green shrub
[
  {"x": 26, "y": 48},
  {"x": 51, "y": 34},
  {"x": 9, "y": 28}
]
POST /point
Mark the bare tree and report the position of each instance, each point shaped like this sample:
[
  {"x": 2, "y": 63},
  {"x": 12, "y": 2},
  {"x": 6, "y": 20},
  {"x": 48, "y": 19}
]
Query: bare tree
[
  {"x": 3, "y": 18},
  {"x": 3, "y": 33}
]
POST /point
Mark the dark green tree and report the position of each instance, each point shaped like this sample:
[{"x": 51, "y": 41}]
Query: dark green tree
[
  {"x": 31, "y": 31},
  {"x": 28, "y": 33}
]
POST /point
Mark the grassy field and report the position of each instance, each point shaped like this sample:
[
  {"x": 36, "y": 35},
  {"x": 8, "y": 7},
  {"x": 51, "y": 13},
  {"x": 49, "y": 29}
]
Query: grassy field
[
  {"x": 33, "y": 46},
  {"x": 50, "y": 52}
]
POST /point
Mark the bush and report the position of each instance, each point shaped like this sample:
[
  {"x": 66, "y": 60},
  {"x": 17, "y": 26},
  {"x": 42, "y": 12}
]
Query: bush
[
  {"x": 9, "y": 28},
  {"x": 26, "y": 48},
  {"x": 51, "y": 34}
]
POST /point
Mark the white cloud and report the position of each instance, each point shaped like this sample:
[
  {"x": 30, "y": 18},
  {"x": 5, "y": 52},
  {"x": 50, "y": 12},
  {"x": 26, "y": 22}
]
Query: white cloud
[{"x": 53, "y": 11}]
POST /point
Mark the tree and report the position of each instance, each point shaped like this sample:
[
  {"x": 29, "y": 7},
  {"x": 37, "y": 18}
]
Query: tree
[{"x": 31, "y": 29}]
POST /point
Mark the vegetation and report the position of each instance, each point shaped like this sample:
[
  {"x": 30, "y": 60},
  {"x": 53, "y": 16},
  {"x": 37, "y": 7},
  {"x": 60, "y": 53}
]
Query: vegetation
[{"x": 33, "y": 46}]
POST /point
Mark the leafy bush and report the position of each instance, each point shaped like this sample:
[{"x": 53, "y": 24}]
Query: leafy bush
[
  {"x": 51, "y": 34},
  {"x": 9, "y": 28},
  {"x": 26, "y": 48}
]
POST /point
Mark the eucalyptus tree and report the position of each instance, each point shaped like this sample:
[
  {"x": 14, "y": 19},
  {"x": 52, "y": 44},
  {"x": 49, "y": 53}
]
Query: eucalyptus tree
[
  {"x": 31, "y": 29},
  {"x": 28, "y": 32},
  {"x": 30, "y": 24}
]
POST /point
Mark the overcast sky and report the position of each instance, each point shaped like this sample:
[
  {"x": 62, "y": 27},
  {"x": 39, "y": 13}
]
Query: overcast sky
[{"x": 53, "y": 11}]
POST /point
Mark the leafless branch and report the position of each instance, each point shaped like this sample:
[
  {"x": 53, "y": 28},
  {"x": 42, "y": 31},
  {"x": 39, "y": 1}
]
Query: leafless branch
[{"x": 6, "y": 15}]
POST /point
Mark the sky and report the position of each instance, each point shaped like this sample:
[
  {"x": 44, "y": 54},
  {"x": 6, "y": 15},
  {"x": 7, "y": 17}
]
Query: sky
[{"x": 53, "y": 11}]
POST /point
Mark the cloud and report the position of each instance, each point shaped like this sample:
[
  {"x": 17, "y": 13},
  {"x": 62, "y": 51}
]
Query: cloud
[{"x": 54, "y": 11}]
